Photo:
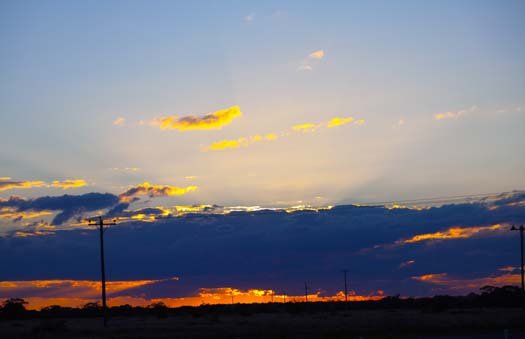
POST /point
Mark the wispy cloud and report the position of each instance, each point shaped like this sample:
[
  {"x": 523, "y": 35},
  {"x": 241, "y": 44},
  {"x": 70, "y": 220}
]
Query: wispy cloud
[
  {"x": 5, "y": 178},
  {"x": 64, "y": 184},
  {"x": 311, "y": 60},
  {"x": 240, "y": 142},
  {"x": 125, "y": 169},
  {"x": 453, "y": 283},
  {"x": 249, "y": 18},
  {"x": 453, "y": 233},
  {"x": 154, "y": 191},
  {"x": 214, "y": 120},
  {"x": 69, "y": 183},
  {"x": 299, "y": 128},
  {"x": 454, "y": 114},
  {"x": 9, "y": 185},
  {"x": 319, "y": 54},
  {"x": 120, "y": 121}
]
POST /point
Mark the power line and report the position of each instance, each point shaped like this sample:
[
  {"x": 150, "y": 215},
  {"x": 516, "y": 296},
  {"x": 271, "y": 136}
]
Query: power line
[{"x": 440, "y": 198}]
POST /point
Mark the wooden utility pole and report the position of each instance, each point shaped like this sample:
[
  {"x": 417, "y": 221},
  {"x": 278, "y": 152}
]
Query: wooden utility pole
[
  {"x": 305, "y": 292},
  {"x": 346, "y": 287},
  {"x": 101, "y": 223},
  {"x": 521, "y": 229}
]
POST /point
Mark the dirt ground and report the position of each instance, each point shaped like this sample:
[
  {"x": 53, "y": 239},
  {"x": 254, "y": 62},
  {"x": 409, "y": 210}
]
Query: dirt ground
[{"x": 375, "y": 324}]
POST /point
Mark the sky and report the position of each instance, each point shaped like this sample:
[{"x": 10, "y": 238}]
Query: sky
[{"x": 219, "y": 107}]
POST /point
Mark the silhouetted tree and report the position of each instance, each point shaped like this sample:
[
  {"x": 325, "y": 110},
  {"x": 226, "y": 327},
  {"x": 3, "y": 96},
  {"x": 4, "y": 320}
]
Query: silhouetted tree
[{"x": 14, "y": 308}]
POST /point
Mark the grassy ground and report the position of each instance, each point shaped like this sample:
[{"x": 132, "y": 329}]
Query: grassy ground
[{"x": 486, "y": 323}]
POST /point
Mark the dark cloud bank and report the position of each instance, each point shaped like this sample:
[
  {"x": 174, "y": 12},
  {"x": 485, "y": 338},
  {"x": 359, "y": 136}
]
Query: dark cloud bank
[{"x": 269, "y": 249}]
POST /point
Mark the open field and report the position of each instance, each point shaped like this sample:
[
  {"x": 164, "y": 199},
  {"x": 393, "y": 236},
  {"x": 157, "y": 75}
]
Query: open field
[{"x": 465, "y": 323}]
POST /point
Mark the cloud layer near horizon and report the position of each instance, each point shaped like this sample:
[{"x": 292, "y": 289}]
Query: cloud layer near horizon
[{"x": 398, "y": 250}]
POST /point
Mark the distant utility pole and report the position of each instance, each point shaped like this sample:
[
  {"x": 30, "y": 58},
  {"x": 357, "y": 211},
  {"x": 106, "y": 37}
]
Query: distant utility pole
[
  {"x": 101, "y": 223},
  {"x": 272, "y": 296},
  {"x": 284, "y": 298},
  {"x": 521, "y": 229},
  {"x": 346, "y": 287},
  {"x": 305, "y": 292}
]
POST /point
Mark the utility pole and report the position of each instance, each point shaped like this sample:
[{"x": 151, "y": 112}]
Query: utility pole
[
  {"x": 305, "y": 292},
  {"x": 272, "y": 296},
  {"x": 101, "y": 223},
  {"x": 346, "y": 287},
  {"x": 521, "y": 229}
]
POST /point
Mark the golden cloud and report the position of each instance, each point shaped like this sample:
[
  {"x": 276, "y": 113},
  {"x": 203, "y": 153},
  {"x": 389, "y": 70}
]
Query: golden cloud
[
  {"x": 69, "y": 183},
  {"x": 8, "y": 185},
  {"x": 215, "y": 120},
  {"x": 154, "y": 191},
  {"x": 9, "y": 213},
  {"x": 5, "y": 178},
  {"x": 453, "y": 233},
  {"x": 240, "y": 142},
  {"x": 339, "y": 121},
  {"x": 300, "y": 128},
  {"x": 305, "y": 127},
  {"x": 64, "y": 184},
  {"x": 454, "y": 114},
  {"x": 319, "y": 54}
]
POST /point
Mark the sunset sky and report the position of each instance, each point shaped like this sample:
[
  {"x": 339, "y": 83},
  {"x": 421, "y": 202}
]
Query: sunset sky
[{"x": 209, "y": 112}]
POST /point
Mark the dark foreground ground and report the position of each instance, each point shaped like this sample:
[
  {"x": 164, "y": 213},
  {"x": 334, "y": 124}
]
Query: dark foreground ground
[{"x": 396, "y": 323}]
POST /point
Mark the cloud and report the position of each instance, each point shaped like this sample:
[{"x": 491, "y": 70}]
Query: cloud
[
  {"x": 215, "y": 120},
  {"x": 64, "y": 184},
  {"x": 275, "y": 245},
  {"x": 308, "y": 127},
  {"x": 154, "y": 191},
  {"x": 240, "y": 142},
  {"x": 339, "y": 121},
  {"x": 462, "y": 284},
  {"x": 454, "y": 114},
  {"x": 120, "y": 121},
  {"x": 249, "y": 18},
  {"x": 68, "y": 205},
  {"x": 453, "y": 233},
  {"x": 9, "y": 185},
  {"x": 125, "y": 169},
  {"x": 5, "y": 178},
  {"x": 318, "y": 55},
  {"x": 300, "y": 128},
  {"x": 312, "y": 59},
  {"x": 69, "y": 183}
]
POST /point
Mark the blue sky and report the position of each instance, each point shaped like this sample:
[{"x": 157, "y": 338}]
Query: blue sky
[{"x": 70, "y": 69}]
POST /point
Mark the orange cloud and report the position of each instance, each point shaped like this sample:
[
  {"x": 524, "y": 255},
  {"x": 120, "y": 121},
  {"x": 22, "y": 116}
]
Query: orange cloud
[
  {"x": 444, "y": 279},
  {"x": 155, "y": 191},
  {"x": 69, "y": 183},
  {"x": 215, "y": 120},
  {"x": 319, "y": 54},
  {"x": 453, "y": 233},
  {"x": 75, "y": 293},
  {"x": 5, "y": 178}
]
